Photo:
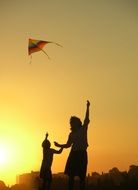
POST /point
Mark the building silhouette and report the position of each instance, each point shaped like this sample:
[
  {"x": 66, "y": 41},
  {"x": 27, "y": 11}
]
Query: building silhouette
[{"x": 113, "y": 180}]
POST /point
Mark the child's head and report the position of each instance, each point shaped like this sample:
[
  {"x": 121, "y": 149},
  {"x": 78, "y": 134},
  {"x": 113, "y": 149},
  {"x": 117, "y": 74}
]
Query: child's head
[
  {"x": 75, "y": 123},
  {"x": 46, "y": 144}
]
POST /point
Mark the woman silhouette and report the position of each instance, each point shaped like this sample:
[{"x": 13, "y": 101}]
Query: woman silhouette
[{"x": 76, "y": 164}]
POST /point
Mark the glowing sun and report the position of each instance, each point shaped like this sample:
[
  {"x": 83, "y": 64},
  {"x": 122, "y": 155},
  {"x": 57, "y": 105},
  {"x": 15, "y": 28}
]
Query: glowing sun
[{"x": 4, "y": 154}]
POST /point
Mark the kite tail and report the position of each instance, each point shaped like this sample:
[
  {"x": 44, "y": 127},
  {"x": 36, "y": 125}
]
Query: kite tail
[
  {"x": 30, "y": 59},
  {"x": 57, "y": 44},
  {"x": 45, "y": 53}
]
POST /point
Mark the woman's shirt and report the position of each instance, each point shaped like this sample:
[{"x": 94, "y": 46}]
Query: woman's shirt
[{"x": 78, "y": 139}]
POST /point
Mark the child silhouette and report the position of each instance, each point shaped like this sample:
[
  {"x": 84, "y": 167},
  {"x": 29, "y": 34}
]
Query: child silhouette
[
  {"x": 45, "y": 171},
  {"x": 77, "y": 160}
]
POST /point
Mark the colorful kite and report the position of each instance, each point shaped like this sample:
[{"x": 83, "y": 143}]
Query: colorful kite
[{"x": 37, "y": 45}]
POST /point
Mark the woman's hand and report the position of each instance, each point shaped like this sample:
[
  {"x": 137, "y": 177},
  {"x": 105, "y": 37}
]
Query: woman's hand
[
  {"x": 88, "y": 103},
  {"x": 56, "y": 144}
]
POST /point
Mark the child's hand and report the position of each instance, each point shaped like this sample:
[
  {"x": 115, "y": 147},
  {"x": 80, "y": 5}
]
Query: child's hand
[{"x": 46, "y": 135}]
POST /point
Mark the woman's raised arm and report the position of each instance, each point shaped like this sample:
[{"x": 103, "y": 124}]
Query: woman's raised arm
[{"x": 86, "y": 119}]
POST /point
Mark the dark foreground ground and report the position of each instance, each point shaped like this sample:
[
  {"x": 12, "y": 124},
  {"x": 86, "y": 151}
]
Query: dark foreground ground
[{"x": 113, "y": 180}]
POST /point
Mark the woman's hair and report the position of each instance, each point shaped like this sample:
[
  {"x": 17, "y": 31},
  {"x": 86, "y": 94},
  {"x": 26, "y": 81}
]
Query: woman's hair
[{"x": 75, "y": 123}]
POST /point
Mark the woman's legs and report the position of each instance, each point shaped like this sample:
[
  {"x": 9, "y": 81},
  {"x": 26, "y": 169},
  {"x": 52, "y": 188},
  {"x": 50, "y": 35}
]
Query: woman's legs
[
  {"x": 70, "y": 182},
  {"x": 82, "y": 183},
  {"x": 43, "y": 184},
  {"x": 46, "y": 184}
]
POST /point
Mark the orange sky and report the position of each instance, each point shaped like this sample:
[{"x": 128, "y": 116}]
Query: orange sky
[{"x": 98, "y": 62}]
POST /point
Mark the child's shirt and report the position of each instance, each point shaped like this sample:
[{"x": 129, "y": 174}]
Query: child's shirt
[{"x": 48, "y": 157}]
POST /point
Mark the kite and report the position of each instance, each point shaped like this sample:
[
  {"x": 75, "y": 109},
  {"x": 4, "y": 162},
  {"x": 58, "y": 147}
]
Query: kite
[{"x": 37, "y": 45}]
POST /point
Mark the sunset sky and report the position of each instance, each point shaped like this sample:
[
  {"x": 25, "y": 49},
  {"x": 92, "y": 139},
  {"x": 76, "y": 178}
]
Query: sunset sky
[{"x": 98, "y": 62}]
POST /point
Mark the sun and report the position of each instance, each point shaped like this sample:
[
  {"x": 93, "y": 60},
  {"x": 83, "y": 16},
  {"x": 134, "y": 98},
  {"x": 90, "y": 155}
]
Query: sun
[{"x": 4, "y": 154}]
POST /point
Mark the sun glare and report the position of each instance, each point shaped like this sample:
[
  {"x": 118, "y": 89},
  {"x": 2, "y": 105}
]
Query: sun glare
[{"x": 4, "y": 154}]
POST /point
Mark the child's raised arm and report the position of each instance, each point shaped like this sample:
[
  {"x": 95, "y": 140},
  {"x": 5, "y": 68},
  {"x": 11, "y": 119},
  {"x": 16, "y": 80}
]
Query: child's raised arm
[{"x": 46, "y": 135}]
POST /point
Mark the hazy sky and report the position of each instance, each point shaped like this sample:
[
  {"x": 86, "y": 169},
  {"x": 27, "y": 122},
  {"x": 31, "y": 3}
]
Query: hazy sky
[{"x": 98, "y": 61}]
